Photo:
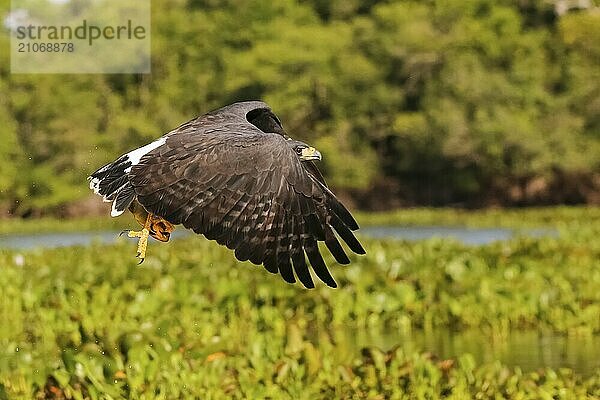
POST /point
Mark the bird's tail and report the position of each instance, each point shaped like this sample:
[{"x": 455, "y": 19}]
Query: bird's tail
[{"x": 112, "y": 183}]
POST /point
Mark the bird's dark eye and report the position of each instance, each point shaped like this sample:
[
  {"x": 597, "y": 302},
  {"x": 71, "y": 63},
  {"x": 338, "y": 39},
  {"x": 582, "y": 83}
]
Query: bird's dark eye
[{"x": 299, "y": 150}]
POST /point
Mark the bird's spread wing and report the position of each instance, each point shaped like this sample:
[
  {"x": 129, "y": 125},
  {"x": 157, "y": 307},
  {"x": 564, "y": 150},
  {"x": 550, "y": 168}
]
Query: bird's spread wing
[{"x": 247, "y": 190}]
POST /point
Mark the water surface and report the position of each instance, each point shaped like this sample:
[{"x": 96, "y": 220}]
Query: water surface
[
  {"x": 469, "y": 236},
  {"x": 528, "y": 350},
  {"x": 65, "y": 239}
]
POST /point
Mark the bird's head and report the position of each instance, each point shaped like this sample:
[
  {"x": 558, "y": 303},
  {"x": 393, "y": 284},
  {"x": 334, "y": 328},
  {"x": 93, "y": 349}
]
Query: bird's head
[
  {"x": 264, "y": 119},
  {"x": 260, "y": 115},
  {"x": 304, "y": 151}
]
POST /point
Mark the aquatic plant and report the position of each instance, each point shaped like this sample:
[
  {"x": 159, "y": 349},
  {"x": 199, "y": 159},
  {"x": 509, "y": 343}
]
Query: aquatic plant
[{"x": 87, "y": 322}]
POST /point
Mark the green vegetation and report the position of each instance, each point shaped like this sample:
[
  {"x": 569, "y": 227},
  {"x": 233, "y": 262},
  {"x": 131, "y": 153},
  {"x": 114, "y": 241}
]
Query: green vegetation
[
  {"x": 192, "y": 321},
  {"x": 47, "y": 224},
  {"x": 438, "y": 102},
  {"x": 537, "y": 217}
]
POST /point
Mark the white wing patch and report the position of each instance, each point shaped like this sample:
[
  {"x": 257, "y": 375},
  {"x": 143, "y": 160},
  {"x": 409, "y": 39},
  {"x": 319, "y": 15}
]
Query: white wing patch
[
  {"x": 115, "y": 170},
  {"x": 136, "y": 155}
]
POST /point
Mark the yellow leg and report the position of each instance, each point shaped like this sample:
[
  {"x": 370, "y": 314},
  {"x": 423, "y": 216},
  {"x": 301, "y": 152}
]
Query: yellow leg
[{"x": 143, "y": 242}]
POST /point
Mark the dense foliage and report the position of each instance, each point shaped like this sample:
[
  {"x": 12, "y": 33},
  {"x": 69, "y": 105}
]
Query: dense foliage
[
  {"x": 437, "y": 102},
  {"x": 191, "y": 321}
]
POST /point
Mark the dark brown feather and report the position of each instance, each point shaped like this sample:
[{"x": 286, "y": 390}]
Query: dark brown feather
[{"x": 221, "y": 176}]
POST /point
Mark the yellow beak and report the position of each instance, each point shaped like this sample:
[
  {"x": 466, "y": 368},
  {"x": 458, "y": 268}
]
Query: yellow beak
[{"x": 310, "y": 153}]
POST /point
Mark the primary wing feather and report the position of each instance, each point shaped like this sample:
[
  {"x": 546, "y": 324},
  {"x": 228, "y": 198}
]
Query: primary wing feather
[{"x": 222, "y": 177}]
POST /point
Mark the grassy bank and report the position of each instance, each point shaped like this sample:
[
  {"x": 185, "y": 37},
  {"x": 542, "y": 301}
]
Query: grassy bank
[
  {"x": 191, "y": 321},
  {"x": 557, "y": 217},
  {"x": 47, "y": 224}
]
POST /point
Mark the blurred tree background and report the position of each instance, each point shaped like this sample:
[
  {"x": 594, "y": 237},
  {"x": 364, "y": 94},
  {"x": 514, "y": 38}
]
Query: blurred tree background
[{"x": 438, "y": 102}]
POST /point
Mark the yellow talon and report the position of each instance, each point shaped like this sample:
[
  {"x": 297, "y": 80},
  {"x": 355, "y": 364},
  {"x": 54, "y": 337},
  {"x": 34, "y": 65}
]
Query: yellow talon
[
  {"x": 143, "y": 235},
  {"x": 134, "y": 234},
  {"x": 142, "y": 243},
  {"x": 155, "y": 226}
]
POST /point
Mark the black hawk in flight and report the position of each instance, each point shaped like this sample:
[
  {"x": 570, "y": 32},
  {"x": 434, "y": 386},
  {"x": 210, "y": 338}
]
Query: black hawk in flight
[{"x": 234, "y": 176}]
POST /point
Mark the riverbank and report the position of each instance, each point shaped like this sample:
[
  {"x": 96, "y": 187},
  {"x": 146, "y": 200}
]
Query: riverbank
[
  {"x": 535, "y": 217},
  {"x": 192, "y": 321}
]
